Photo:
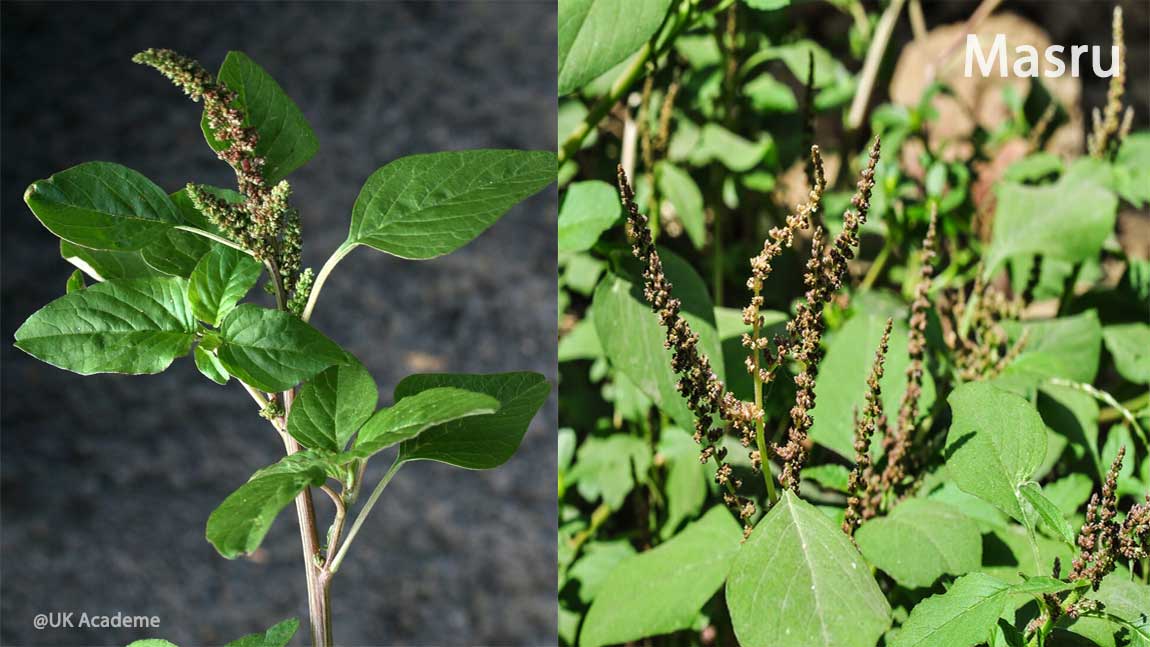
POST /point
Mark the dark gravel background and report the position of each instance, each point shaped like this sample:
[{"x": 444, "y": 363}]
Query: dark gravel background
[{"x": 108, "y": 481}]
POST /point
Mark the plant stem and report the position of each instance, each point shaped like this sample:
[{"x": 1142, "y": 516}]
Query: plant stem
[
  {"x": 877, "y": 266},
  {"x": 361, "y": 516},
  {"x": 318, "y": 584},
  {"x": 598, "y": 518},
  {"x": 871, "y": 64},
  {"x": 760, "y": 423},
  {"x": 321, "y": 278},
  {"x": 210, "y": 236},
  {"x": 1106, "y": 398},
  {"x": 1110, "y": 414}
]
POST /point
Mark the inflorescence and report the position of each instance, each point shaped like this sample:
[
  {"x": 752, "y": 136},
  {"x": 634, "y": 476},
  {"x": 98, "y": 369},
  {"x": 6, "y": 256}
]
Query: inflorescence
[
  {"x": 705, "y": 393},
  {"x": 264, "y": 223},
  {"x": 1110, "y": 127},
  {"x": 1103, "y": 539},
  {"x": 868, "y": 485}
]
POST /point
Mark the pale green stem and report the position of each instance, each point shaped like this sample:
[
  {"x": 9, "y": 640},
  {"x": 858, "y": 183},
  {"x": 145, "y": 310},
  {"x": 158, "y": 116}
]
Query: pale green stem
[
  {"x": 871, "y": 63},
  {"x": 219, "y": 239},
  {"x": 1107, "y": 399},
  {"x": 361, "y": 516},
  {"x": 321, "y": 278}
]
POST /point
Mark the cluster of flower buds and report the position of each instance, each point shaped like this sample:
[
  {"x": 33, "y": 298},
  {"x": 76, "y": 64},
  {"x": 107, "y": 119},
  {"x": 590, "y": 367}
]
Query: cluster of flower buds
[
  {"x": 1110, "y": 127},
  {"x": 264, "y": 223},
  {"x": 825, "y": 272},
  {"x": 1103, "y": 539},
  {"x": 983, "y": 350},
  {"x": 869, "y": 485},
  {"x": 862, "y": 504}
]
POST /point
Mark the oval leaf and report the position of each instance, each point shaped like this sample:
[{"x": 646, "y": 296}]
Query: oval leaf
[
  {"x": 633, "y": 339},
  {"x": 209, "y": 365},
  {"x": 920, "y": 541},
  {"x": 278, "y": 636},
  {"x": 286, "y": 138},
  {"x": 995, "y": 443},
  {"x": 798, "y": 582},
  {"x": 589, "y": 208},
  {"x": 596, "y": 35},
  {"x": 477, "y": 442},
  {"x": 103, "y": 206},
  {"x": 1068, "y": 221},
  {"x": 273, "y": 350},
  {"x": 423, "y": 206},
  {"x": 663, "y": 589},
  {"x": 104, "y": 265},
  {"x": 239, "y": 524},
  {"x": 332, "y": 406},
  {"x": 134, "y": 326},
  {"x": 684, "y": 195},
  {"x": 962, "y": 617},
  {"x": 417, "y": 413},
  {"x": 221, "y": 278},
  {"x": 1048, "y": 512}
]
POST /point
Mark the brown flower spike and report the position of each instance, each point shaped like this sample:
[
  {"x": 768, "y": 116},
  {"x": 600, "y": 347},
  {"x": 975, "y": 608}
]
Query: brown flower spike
[{"x": 264, "y": 223}]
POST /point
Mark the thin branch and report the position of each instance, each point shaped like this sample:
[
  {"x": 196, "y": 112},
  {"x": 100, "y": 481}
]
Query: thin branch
[
  {"x": 360, "y": 517},
  {"x": 871, "y": 64},
  {"x": 1106, "y": 398},
  {"x": 321, "y": 278}
]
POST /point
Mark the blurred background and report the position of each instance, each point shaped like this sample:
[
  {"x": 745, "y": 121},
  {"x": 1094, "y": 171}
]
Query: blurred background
[{"x": 107, "y": 481}]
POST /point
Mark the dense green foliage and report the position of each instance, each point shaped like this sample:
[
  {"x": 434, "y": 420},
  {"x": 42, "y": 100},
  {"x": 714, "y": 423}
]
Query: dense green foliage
[{"x": 945, "y": 496}]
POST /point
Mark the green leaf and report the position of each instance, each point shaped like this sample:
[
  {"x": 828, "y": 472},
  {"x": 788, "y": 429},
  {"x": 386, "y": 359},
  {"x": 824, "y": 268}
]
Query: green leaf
[
  {"x": 1132, "y": 169},
  {"x": 103, "y": 206},
  {"x": 286, "y": 138},
  {"x": 686, "y": 482},
  {"x": 850, "y": 354},
  {"x": 589, "y": 209},
  {"x": 221, "y": 278},
  {"x": 175, "y": 252},
  {"x": 736, "y": 153},
  {"x": 1129, "y": 345},
  {"x": 995, "y": 443},
  {"x": 799, "y": 582},
  {"x": 1067, "y": 221},
  {"x": 332, "y": 406},
  {"x": 767, "y": 5},
  {"x": 210, "y": 366},
  {"x": 829, "y": 476},
  {"x": 962, "y": 617},
  {"x": 633, "y": 338},
  {"x": 663, "y": 589},
  {"x": 920, "y": 541},
  {"x": 609, "y": 467},
  {"x": 273, "y": 350},
  {"x": 134, "y": 326},
  {"x": 105, "y": 265},
  {"x": 768, "y": 94},
  {"x": 239, "y": 524},
  {"x": 1067, "y": 347},
  {"x": 684, "y": 195},
  {"x": 423, "y": 206},
  {"x": 596, "y": 35},
  {"x": 483, "y": 441},
  {"x": 1048, "y": 512},
  {"x": 417, "y": 413},
  {"x": 75, "y": 282},
  {"x": 1070, "y": 492},
  {"x": 278, "y": 636},
  {"x": 151, "y": 642},
  {"x": 599, "y": 560}
]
